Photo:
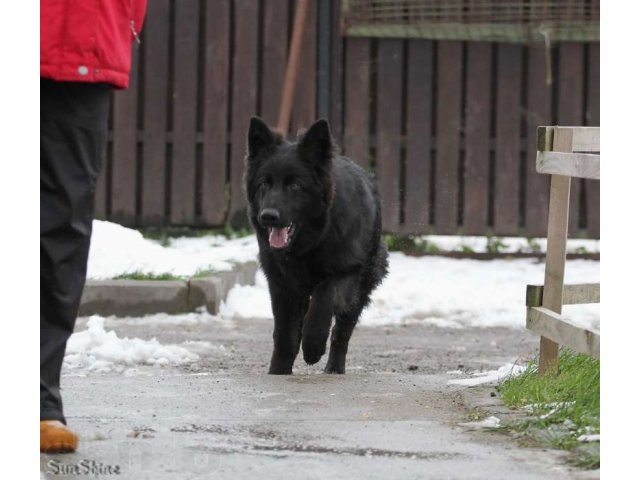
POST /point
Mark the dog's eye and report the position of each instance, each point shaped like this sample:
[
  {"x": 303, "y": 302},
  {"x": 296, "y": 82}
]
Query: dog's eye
[
  {"x": 294, "y": 186},
  {"x": 264, "y": 185}
]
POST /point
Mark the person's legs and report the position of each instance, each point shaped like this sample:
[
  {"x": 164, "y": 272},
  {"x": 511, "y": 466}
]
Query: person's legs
[{"x": 73, "y": 139}]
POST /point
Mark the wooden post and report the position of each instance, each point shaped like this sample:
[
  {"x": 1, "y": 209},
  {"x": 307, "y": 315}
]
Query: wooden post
[
  {"x": 288, "y": 90},
  {"x": 556, "y": 246}
]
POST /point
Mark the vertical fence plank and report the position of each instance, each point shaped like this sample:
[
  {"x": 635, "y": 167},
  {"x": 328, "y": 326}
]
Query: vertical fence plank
[
  {"x": 323, "y": 75},
  {"x": 156, "y": 74},
  {"x": 477, "y": 131},
  {"x": 245, "y": 81},
  {"x": 389, "y": 132},
  {"x": 183, "y": 164},
  {"x": 123, "y": 166},
  {"x": 304, "y": 106},
  {"x": 216, "y": 106},
  {"x": 507, "y": 171},
  {"x": 593, "y": 119},
  {"x": 570, "y": 111},
  {"x": 418, "y": 136},
  {"x": 448, "y": 125},
  {"x": 274, "y": 58},
  {"x": 538, "y": 113},
  {"x": 357, "y": 94},
  {"x": 337, "y": 74}
]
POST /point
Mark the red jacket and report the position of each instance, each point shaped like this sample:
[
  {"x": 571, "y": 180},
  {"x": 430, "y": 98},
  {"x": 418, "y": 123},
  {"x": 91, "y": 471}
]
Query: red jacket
[{"x": 89, "y": 40}]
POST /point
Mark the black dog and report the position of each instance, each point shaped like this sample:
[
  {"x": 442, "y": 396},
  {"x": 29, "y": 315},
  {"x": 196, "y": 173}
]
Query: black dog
[{"x": 318, "y": 222}]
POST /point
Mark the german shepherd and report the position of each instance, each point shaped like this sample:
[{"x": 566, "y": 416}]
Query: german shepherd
[{"x": 317, "y": 216}]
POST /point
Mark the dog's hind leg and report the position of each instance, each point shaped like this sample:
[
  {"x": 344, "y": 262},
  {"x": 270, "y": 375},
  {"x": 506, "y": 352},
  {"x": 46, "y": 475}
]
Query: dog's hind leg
[
  {"x": 340, "y": 335},
  {"x": 317, "y": 323},
  {"x": 288, "y": 313}
]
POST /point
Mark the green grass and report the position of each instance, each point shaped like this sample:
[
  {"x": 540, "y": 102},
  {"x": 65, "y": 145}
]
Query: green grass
[
  {"x": 534, "y": 245},
  {"x": 477, "y": 414},
  {"x": 138, "y": 275},
  {"x": 495, "y": 244},
  {"x": 203, "y": 273},
  {"x": 564, "y": 404},
  {"x": 410, "y": 244},
  {"x": 164, "y": 235}
]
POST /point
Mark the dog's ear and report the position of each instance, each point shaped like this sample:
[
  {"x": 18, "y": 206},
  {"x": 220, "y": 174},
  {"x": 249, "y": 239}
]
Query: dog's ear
[
  {"x": 259, "y": 137},
  {"x": 317, "y": 144}
]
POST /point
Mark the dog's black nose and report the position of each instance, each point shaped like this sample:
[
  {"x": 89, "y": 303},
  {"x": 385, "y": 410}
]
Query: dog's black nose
[{"x": 269, "y": 216}]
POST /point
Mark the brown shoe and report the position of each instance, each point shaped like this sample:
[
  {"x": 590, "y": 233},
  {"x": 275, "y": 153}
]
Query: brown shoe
[{"x": 55, "y": 437}]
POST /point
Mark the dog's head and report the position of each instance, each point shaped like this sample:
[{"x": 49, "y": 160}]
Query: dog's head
[{"x": 289, "y": 186}]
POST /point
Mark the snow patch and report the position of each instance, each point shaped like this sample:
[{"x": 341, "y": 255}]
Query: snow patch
[
  {"x": 454, "y": 243},
  {"x": 480, "y": 378},
  {"x": 248, "y": 301},
  {"x": 192, "y": 318},
  {"x": 98, "y": 350},
  {"x": 437, "y": 291},
  {"x": 443, "y": 292},
  {"x": 457, "y": 293},
  {"x": 489, "y": 422},
  {"x": 117, "y": 250}
]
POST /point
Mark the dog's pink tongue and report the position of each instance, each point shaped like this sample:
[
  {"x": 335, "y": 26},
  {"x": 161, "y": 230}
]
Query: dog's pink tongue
[{"x": 278, "y": 237}]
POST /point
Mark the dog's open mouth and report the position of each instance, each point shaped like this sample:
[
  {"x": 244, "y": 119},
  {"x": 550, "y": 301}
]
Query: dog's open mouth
[{"x": 281, "y": 237}]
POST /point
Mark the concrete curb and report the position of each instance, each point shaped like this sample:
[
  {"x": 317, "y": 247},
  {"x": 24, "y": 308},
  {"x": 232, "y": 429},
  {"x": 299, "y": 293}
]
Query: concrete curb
[{"x": 142, "y": 297}]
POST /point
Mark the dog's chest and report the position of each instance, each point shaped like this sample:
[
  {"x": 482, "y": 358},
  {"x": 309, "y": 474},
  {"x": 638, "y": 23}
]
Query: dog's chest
[{"x": 302, "y": 274}]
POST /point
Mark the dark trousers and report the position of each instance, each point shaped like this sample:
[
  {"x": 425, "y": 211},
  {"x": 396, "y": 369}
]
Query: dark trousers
[{"x": 73, "y": 141}]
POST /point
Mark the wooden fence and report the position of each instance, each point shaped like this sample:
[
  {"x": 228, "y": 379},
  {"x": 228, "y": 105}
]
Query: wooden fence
[
  {"x": 448, "y": 127},
  {"x": 563, "y": 153}
]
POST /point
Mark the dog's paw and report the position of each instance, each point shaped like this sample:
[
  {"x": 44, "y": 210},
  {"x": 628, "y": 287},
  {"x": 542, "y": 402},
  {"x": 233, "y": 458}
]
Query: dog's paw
[
  {"x": 277, "y": 371},
  {"x": 312, "y": 352},
  {"x": 334, "y": 369},
  {"x": 280, "y": 366}
]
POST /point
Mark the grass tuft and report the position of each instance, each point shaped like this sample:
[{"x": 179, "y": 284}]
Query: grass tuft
[
  {"x": 166, "y": 234},
  {"x": 410, "y": 244},
  {"x": 138, "y": 275},
  {"x": 564, "y": 404},
  {"x": 495, "y": 244}
]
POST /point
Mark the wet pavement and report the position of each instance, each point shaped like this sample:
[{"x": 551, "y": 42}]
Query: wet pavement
[{"x": 392, "y": 416}]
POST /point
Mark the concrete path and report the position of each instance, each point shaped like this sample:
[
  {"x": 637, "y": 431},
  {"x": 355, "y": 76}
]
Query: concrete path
[{"x": 392, "y": 416}]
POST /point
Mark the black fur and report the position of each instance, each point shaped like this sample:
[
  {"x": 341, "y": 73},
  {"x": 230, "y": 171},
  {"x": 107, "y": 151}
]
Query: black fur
[{"x": 335, "y": 256}]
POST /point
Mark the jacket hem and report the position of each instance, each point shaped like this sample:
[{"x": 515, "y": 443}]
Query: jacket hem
[{"x": 75, "y": 73}]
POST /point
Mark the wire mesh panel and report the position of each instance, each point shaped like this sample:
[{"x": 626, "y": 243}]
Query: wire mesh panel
[{"x": 521, "y": 21}]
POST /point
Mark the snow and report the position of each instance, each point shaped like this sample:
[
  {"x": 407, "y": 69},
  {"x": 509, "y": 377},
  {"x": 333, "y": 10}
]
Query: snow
[
  {"x": 98, "y": 350},
  {"x": 192, "y": 318},
  {"x": 117, "y": 250},
  {"x": 454, "y": 243},
  {"x": 458, "y": 293},
  {"x": 480, "y": 378},
  {"x": 438, "y": 291},
  {"x": 551, "y": 407},
  {"x": 489, "y": 422},
  {"x": 248, "y": 301},
  {"x": 444, "y": 292},
  {"x": 589, "y": 438}
]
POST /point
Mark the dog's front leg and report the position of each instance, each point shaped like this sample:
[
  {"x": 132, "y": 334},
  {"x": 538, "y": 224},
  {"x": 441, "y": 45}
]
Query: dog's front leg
[
  {"x": 317, "y": 323},
  {"x": 288, "y": 312}
]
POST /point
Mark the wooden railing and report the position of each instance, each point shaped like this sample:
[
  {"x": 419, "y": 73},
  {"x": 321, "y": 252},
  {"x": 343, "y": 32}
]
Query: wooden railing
[{"x": 563, "y": 153}]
